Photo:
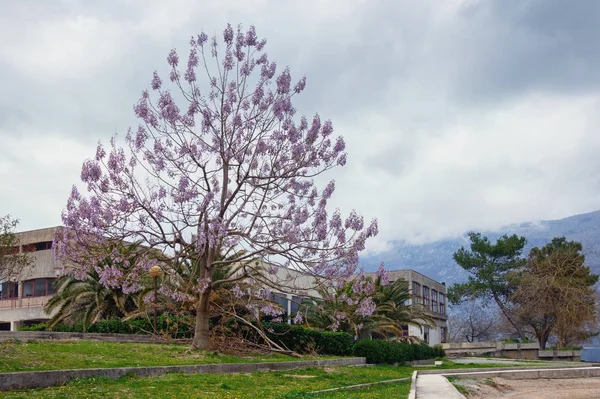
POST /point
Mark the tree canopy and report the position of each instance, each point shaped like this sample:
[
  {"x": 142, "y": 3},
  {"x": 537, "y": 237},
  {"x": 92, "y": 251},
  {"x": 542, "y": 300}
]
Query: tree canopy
[
  {"x": 556, "y": 292},
  {"x": 219, "y": 162},
  {"x": 13, "y": 264},
  {"x": 491, "y": 266}
]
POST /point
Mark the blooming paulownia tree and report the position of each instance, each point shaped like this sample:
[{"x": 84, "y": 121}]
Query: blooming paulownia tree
[{"x": 218, "y": 165}]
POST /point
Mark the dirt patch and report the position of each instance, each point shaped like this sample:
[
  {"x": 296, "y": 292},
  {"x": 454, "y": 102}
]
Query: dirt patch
[
  {"x": 299, "y": 376},
  {"x": 499, "y": 388}
]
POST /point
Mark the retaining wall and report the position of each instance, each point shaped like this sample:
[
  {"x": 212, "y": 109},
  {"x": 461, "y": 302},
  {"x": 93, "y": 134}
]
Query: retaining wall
[
  {"x": 42, "y": 379},
  {"x": 530, "y": 351},
  {"x": 25, "y": 335}
]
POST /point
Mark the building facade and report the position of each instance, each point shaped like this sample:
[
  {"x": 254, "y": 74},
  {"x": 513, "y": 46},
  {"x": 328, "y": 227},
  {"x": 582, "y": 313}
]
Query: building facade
[
  {"x": 23, "y": 296},
  {"x": 431, "y": 295}
]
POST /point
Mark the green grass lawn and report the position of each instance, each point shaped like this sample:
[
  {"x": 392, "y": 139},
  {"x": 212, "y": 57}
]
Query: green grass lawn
[
  {"x": 62, "y": 355},
  {"x": 293, "y": 384}
]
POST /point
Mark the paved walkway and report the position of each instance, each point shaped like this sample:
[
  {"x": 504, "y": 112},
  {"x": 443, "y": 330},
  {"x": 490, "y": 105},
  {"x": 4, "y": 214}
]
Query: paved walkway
[{"x": 434, "y": 386}]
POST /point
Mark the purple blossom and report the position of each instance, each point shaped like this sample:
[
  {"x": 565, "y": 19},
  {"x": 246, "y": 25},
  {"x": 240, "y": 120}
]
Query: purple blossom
[
  {"x": 156, "y": 81},
  {"x": 383, "y": 275},
  {"x": 366, "y": 307},
  {"x": 173, "y": 58},
  {"x": 228, "y": 34}
]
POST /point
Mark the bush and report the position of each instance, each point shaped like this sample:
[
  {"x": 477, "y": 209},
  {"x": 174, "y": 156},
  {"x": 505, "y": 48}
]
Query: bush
[
  {"x": 175, "y": 326},
  {"x": 381, "y": 351},
  {"x": 306, "y": 340},
  {"x": 33, "y": 327}
]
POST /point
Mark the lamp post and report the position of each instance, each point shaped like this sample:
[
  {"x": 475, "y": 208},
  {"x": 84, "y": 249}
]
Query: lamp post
[{"x": 155, "y": 272}]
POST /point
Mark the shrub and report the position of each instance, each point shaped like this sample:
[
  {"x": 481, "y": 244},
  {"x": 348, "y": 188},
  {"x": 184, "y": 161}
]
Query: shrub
[
  {"x": 33, "y": 327},
  {"x": 381, "y": 351},
  {"x": 175, "y": 326},
  {"x": 305, "y": 340}
]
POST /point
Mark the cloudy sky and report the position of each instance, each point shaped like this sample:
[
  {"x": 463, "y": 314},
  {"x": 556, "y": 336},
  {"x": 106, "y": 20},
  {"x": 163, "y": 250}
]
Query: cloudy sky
[{"x": 458, "y": 114}]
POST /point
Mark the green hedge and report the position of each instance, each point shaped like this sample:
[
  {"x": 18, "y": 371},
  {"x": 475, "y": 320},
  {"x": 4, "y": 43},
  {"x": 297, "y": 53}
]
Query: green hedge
[
  {"x": 306, "y": 340},
  {"x": 381, "y": 351},
  {"x": 177, "y": 327}
]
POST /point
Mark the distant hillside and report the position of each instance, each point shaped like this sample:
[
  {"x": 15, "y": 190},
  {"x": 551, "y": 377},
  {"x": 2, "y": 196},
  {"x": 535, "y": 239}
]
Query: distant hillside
[{"x": 435, "y": 259}]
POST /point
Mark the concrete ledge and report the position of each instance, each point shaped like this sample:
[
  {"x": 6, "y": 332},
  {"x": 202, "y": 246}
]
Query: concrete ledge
[
  {"x": 413, "y": 386},
  {"x": 556, "y": 373},
  {"x": 42, "y": 379},
  {"x": 514, "y": 368},
  {"x": 25, "y": 335}
]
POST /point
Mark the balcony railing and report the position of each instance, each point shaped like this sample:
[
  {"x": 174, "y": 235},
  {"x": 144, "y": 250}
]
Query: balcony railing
[{"x": 29, "y": 302}]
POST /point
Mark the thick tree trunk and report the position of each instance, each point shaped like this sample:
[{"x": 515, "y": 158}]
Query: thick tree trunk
[{"x": 202, "y": 322}]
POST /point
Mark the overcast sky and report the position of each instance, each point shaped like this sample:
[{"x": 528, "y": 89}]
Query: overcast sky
[{"x": 458, "y": 114}]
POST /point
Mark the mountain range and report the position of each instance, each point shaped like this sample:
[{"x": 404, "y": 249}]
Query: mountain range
[{"x": 435, "y": 259}]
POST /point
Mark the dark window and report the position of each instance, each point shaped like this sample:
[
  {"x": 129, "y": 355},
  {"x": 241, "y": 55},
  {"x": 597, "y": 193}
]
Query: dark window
[
  {"x": 41, "y": 246},
  {"x": 442, "y": 303},
  {"x": 52, "y": 286},
  {"x": 426, "y": 296},
  {"x": 9, "y": 290},
  {"x": 426, "y": 334},
  {"x": 28, "y": 288},
  {"x": 416, "y": 291},
  {"x": 405, "y": 330},
  {"x": 296, "y": 301},
  {"x": 282, "y": 301},
  {"x": 39, "y": 287},
  {"x": 434, "y": 301}
]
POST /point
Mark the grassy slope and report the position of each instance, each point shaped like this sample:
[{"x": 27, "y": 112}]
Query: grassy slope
[
  {"x": 282, "y": 385},
  {"x": 48, "y": 355}
]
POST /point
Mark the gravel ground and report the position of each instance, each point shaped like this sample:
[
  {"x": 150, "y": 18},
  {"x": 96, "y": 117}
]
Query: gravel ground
[{"x": 499, "y": 388}]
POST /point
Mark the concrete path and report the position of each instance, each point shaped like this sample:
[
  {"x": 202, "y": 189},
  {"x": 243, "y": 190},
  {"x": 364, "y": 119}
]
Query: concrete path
[{"x": 435, "y": 386}]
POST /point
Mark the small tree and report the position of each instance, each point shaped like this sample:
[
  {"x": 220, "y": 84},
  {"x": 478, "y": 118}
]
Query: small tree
[
  {"x": 13, "y": 264},
  {"x": 230, "y": 167},
  {"x": 556, "y": 292},
  {"x": 491, "y": 267},
  {"x": 473, "y": 322}
]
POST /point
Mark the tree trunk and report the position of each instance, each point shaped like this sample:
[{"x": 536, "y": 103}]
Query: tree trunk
[
  {"x": 508, "y": 317},
  {"x": 202, "y": 322}
]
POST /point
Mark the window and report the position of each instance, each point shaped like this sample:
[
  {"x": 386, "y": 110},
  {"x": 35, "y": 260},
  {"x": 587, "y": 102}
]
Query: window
[
  {"x": 426, "y": 334},
  {"x": 9, "y": 290},
  {"x": 41, "y": 246},
  {"x": 434, "y": 301},
  {"x": 405, "y": 330},
  {"x": 39, "y": 287},
  {"x": 29, "y": 248},
  {"x": 426, "y": 297},
  {"x": 442, "y": 303},
  {"x": 416, "y": 292},
  {"x": 444, "y": 334}
]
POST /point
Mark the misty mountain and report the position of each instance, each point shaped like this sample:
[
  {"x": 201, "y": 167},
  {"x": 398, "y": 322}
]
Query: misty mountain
[{"x": 435, "y": 259}]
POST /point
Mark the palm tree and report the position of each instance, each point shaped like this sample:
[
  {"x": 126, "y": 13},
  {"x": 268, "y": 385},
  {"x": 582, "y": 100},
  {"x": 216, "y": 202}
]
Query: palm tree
[
  {"x": 392, "y": 311},
  {"x": 88, "y": 301}
]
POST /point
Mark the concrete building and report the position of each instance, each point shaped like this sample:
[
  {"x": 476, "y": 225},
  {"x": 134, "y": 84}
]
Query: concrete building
[
  {"x": 23, "y": 297},
  {"x": 432, "y": 296}
]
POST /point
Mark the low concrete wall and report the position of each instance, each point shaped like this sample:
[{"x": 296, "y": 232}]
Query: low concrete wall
[
  {"x": 39, "y": 335},
  {"x": 574, "y": 356},
  {"x": 42, "y": 379},
  {"x": 530, "y": 351}
]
